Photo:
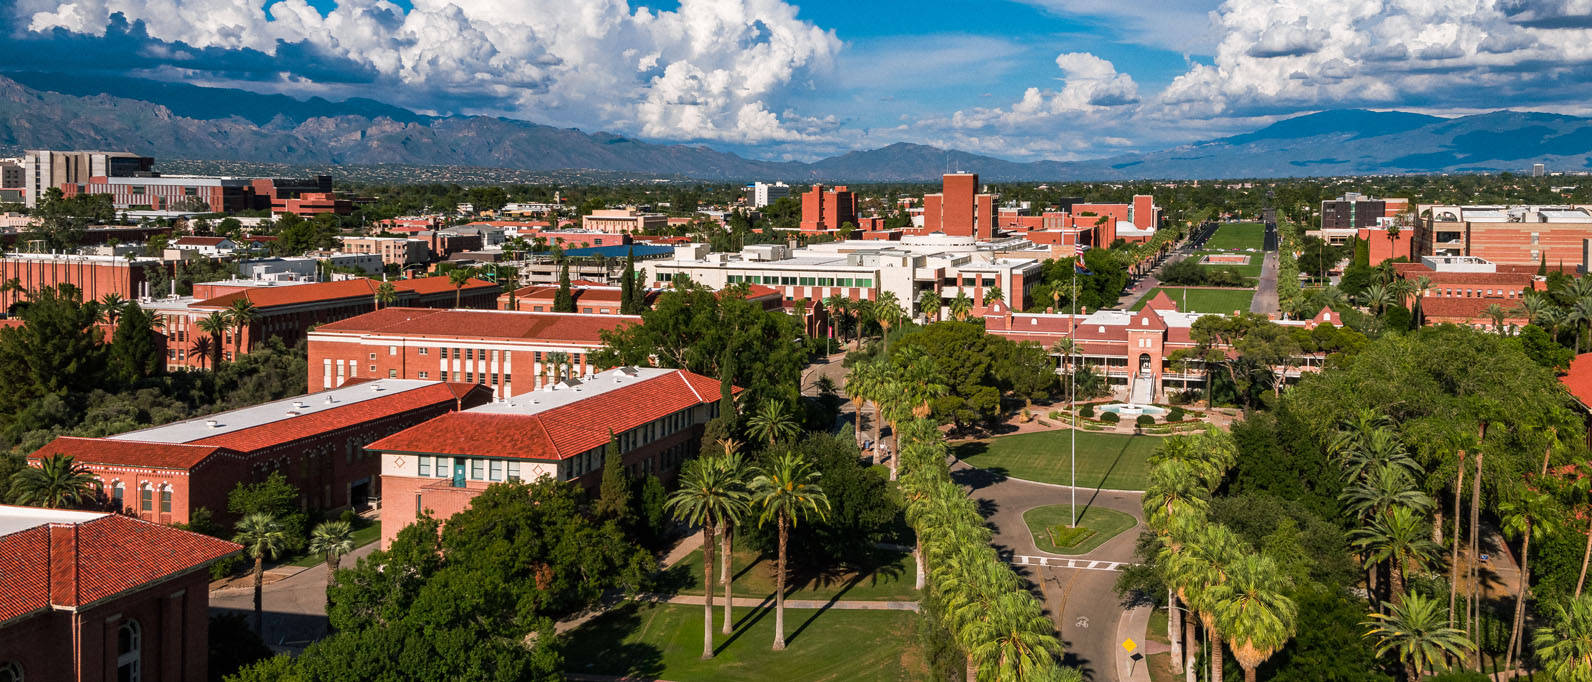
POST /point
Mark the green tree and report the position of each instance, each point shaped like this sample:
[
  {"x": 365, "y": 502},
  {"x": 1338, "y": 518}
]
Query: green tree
[
  {"x": 738, "y": 473},
  {"x": 706, "y": 497},
  {"x": 1533, "y": 515},
  {"x": 261, "y": 536},
  {"x": 214, "y": 324},
  {"x": 462, "y": 276},
  {"x": 58, "y": 482},
  {"x": 386, "y": 293},
  {"x": 333, "y": 540},
  {"x": 133, "y": 353},
  {"x": 1418, "y": 633},
  {"x": 60, "y": 221},
  {"x": 613, "y": 499},
  {"x": 564, "y": 300},
  {"x": 1254, "y": 611},
  {"x": 773, "y": 422},
  {"x": 786, "y": 492},
  {"x": 1565, "y": 645},
  {"x": 240, "y": 315},
  {"x": 1401, "y": 539}
]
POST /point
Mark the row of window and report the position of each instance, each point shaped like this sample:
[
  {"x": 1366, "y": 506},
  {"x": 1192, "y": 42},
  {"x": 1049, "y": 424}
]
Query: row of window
[
  {"x": 146, "y": 497},
  {"x": 864, "y": 282},
  {"x": 470, "y": 468}
]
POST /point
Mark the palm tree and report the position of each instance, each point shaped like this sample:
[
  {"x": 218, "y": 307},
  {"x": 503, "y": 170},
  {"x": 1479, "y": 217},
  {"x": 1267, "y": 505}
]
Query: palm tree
[
  {"x": 459, "y": 277},
  {"x": 961, "y": 306},
  {"x": 202, "y": 348},
  {"x": 993, "y": 294},
  {"x": 1581, "y": 486},
  {"x": 58, "y": 482},
  {"x": 558, "y": 362},
  {"x": 1014, "y": 638},
  {"x": 386, "y": 294},
  {"x": 860, "y": 384},
  {"x": 1376, "y": 297},
  {"x": 1496, "y": 313},
  {"x": 969, "y": 582},
  {"x": 1400, "y": 538},
  {"x": 1253, "y": 611},
  {"x": 1555, "y": 318},
  {"x": 787, "y": 492},
  {"x": 706, "y": 497},
  {"x": 929, "y": 304},
  {"x": 739, "y": 472},
  {"x": 1174, "y": 491},
  {"x": 773, "y": 421},
  {"x": 1580, "y": 315},
  {"x": 332, "y": 540},
  {"x": 1530, "y": 516},
  {"x": 1213, "y": 549},
  {"x": 1401, "y": 289},
  {"x": 886, "y": 311},
  {"x": 1386, "y": 487},
  {"x": 240, "y": 314},
  {"x": 1423, "y": 284},
  {"x": 837, "y": 306},
  {"x": 1416, "y": 631},
  {"x": 261, "y": 536},
  {"x": 214, "y": 324},
  {"x": 1565, "y": 646},
  {"x": 111, "y": 306}
]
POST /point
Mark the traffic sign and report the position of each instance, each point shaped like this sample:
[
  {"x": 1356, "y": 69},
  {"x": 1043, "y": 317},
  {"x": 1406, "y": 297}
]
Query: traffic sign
[{"x": 1129, "y": 645}]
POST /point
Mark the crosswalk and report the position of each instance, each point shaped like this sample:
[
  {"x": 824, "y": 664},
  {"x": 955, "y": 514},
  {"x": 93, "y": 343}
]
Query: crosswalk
[{"x": 1058, "y": 562}]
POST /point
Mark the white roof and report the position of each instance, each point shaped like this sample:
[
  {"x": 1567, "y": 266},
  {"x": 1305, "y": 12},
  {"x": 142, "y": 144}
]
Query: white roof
[
  {"x": 572, "y": 391},
  {"x": 272, "y": 412},
  {"x": 16, "y": 519}
]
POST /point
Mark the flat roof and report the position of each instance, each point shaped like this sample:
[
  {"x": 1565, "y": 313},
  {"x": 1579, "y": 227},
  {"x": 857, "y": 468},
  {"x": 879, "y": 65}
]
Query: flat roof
[
  {"x": 14, "y": 519},
  {"x": 571, "y": 391},
  {"x": 200, "y": 428}
]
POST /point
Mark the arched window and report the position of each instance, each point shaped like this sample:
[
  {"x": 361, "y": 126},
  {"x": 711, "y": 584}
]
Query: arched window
[
  {"x": 146, "y": 497},
  {"x": 10, "y": 672},
  {"x": 129, "y": 652},
  {"x": 165, "y": 498},
  {"x": 118, "y": 495}
]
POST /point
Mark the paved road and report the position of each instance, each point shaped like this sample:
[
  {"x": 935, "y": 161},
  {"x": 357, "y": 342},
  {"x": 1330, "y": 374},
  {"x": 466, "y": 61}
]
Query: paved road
[
  {"x": 294, "y": 607},
  {"x": 1265, "y": 300},
  {"x": 1080, "y": 595},
  {"x": 768, "y": 602}
]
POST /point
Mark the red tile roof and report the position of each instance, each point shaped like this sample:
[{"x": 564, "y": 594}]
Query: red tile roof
[
  {"x": 323, "y": 421},
  {"x": 129, "y": 452},
  {"x": 560, "y": 432},
  {"x": 1469, "y": 308},
  {"x": 1579, "y": 379},
  {"x": 1147, "y": 319},
  {"x": 113, "y": 555},
  {"x": 437, "y": 285},
  {"x": 481, "y": 324},
  {"x": 1161, "y": 301},
  {"x": 359, "y": 287}
]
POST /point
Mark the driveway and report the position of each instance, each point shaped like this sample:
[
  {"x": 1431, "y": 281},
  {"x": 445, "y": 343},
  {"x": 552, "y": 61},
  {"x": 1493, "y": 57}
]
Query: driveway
[
  {"x": 1079, "y": 595},
  {"x": 1265, "y": 301},
  {"x": 294, "y": 607}
]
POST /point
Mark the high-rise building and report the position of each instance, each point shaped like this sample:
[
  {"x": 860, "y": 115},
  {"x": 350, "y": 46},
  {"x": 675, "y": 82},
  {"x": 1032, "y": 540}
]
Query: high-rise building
[
  {"x": 1538, "y": 170},
  {"x": 959, "y": 210},
  {"x": 763, "y": 194},
  {"x": 43, "y": 169},
  {"x": 824, "y": 210},
  {"x": 1351, "y": 211}
]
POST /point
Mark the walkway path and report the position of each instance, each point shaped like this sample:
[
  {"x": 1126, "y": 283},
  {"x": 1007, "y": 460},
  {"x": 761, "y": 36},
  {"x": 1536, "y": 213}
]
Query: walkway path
[
  {"x": 294, "y": 607},
  {"x": 1265, "y": 301}
]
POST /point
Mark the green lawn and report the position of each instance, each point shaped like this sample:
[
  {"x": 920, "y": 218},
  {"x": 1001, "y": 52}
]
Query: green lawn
[
  {"x": 1238, "y": 236},
  {"x": 1105, "y": 524},
  {"x": 1223, "y": 301},
  {"x": 1251, "y": 270},
  {"x": 665, "y": 641},
  {"x": 1105, "y": 460},
  {"x": 754, "y": 577},
  {"x": 362, "y": 536}
]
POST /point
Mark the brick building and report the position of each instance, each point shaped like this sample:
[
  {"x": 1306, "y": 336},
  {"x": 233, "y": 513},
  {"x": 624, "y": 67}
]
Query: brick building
[
  {"x": 1507, "y": 235},
  {"x": 509, "y": 352},
  {"x": 94, "y": 276},
  {"x": 623, "y": 220},
  {"x": 288, "y": 312},
  {"x": 654, "y": 415},
  {"x": 95, "y": 597},
  {"x": 591, "y": 298},
  {"x": 165, "y": 472},
  {"x": 43, "y": 169},
  {"x": 1461, "y": 289},
  {"x": 826, "y": 210},
  {"x": 959, "y": 210}
]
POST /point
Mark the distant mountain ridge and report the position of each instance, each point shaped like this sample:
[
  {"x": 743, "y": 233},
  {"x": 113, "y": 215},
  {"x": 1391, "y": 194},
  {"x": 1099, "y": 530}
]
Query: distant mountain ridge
[{"x": 178, "y": 121}]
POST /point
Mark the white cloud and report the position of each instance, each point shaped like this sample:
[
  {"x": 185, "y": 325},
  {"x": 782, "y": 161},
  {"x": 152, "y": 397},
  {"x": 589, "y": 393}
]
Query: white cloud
[
  {"x": 711, "y": 70},
  {"x": 1091, "y": 86}
]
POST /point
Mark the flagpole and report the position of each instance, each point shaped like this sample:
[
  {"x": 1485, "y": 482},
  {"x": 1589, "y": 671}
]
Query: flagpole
[{"x": 1072, "y": 384}]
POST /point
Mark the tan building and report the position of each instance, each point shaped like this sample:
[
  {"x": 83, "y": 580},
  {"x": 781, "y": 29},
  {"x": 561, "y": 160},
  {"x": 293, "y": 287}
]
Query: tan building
[
  {"x": 1506, "y": 235},
  {"x": 398, "y": 251},
  {"x": 623, "y": 220},
  {"x": 43, "y": 169}
]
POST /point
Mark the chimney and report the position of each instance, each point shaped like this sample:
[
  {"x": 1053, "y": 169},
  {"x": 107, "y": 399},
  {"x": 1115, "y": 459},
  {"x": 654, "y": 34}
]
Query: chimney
[{"x": 63, "y": 564}]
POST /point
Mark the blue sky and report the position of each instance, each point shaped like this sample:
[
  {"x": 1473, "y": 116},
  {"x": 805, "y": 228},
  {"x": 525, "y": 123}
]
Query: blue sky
[{"x": 1019, "y": 79}]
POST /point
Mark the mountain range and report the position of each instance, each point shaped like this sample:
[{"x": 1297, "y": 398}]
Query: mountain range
[{"x": 179, "y": 121}]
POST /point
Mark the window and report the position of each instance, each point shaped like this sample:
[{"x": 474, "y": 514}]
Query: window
[
  {"x": 442, "y": 467},
  {"x": 536, "y": 357},
  {"x": 476, "y": 469},
  {"x": 469, "y": 353},
  {"x": 165, "y": 499},
  {"x": 146, "y": 498},
  {"x": 514, "y": 470},
  {"x": 424, "y": 374},
  {"x": 10, "y": 672},
  {"x": 373, "y": 356},
  {"x": 424, "y": 351},
  {"x": 392, "y": 374},
  {"x": 136, "y": 190},
  {"x": 423, "y": 465},
  {"x": 455, "y": 353},
  {"x": 444, "y": 375},
  {"x": 469, "y": 377},
  {"x": 129, "y": 651},
  {"x": 392, "y": 350},
  {"x": 118, "y": 492},
  {"x": 373, "y": 368},
  {"x": 496, "y": 469}
]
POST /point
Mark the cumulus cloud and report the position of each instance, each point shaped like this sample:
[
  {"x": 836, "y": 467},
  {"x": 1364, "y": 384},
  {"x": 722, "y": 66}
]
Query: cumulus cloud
[
  {"x": 710, "y": 70},
  {"x": 1091, "y": 86}
]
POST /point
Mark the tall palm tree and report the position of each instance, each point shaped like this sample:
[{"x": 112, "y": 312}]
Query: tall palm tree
[
  {"x": 786, "y": 492},
  {"x": 968, "y": 581},
  {"x": 706, "y": 497},
  {"x": 886, "y": 311},
  {"x": 1254, "y": 612},
  {"x": 1565, "y": 645},
  {"x": 773, "y": 421},
  {"x": 333, "y": 540},
  {"x": 860, "y": 384},
  {"x": 993, "y": 294},
  {"x": 961, "y": 306},
  {"x": 459, "y": 277},
  {"x": 203, "y": 349},
  {"x": 1581, "y": 316},
  {"x": 386, "y": 293},
  {"x": 1174, "y": 491},
  {"x": 929, "y": 304},
  {"x": 1581, "y": 486},
  {"x": 739, "y": 472},
  {"x": 1423, "y": 284},
  {"x": 261, "y": 536},
  {"x": 1401, "y": 289},
  {"x": 1417, "y": 633},
  {"x": 110, "y": 308},
  {"x": 1401, "y": 539},
  {"x": 240, "y": 315},
  {"x": 1376, "y": 297},
  {"x": 1554, "y": 318},
  {"x": 1014, "y": 638},
  {"x": 837, "y": 306},
  {"x": 1496, "y": 313},
  {"x": 215, "y": 324},
  {"x": 1532, "y": 515},
  {"x": 558, "y": 363},
  {"x": 1384, "y": 488},
  {"x": 58, "y": 482}
]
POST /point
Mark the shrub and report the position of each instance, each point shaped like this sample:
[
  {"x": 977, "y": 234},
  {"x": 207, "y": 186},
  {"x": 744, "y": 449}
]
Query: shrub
[
  {"x": 1086, "y": 411},
  {"x": 224, "y": 568},
  {"x": 1175, "y": 415},
  {"x": 1110, "y": 418},
  {"x": 1144, "y": 420}
]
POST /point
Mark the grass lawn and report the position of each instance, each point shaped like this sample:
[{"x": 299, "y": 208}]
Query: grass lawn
[
  {"x": 362, "y": 536},
  {"x": 1105, "y": 460},
  {"x": 1238, "y": 236},
  {"x": 754, "y": 577},
  {"x": 1203, "y": 300},
  {"x": 665, "y": 641},
  {"x": 1103, "y": 525},
  {"x": 1252, "y": 270}
]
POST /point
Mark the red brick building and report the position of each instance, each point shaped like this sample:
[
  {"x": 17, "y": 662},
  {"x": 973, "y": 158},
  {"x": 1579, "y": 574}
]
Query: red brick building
[
  {"x": 94, "y": 276},
  {"x": 562, "y": 431},
  {"x": 288, "y": 312},
  {"x": 509, "y": 352},
  {"x": 94, "y": 597},
  {"x": 826, "y": 210},
  {"x": 590, "y": 297},
  {"x": 1460, "y": 290},
  {"x": 959, "y": 209},
  {"x": 165, "y": 472}
]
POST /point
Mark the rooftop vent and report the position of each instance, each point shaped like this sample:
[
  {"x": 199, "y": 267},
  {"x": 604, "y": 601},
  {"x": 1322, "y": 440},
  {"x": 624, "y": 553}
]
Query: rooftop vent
[
  {"x": 299, "y": 404},
  {"x": 378, "y": 388},
  {"x": 212, "y": 423},
  {"x": 330, "y": 400}
]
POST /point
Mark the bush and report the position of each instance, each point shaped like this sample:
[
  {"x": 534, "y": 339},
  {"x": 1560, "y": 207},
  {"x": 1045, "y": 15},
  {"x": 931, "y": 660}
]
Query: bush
[
  {"x": 1086, "y": 411},
  {"x": 225, "y": 567},
  {"x": 1144, "y": 420},
  {"x": 1175, "y": 414},
  {"x": 1110, "y": 418}
]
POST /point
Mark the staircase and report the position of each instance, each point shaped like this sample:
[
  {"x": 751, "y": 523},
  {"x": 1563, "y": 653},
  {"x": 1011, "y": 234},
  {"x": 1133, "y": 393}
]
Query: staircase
[{"x": 1143, "y": 390}]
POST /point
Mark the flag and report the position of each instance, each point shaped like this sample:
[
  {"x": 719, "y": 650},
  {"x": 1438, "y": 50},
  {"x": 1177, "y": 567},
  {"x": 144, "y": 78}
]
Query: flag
[{"x": 1079, "y": 268}]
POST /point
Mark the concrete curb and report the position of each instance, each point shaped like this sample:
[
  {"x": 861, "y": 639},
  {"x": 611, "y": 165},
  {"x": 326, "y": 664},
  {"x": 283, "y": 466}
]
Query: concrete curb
[
  {"x": 1134, "y": 624},
  {"x": 1057, "y": 485}
]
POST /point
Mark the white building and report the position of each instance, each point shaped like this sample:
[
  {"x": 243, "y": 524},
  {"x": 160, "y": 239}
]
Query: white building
[{"x": 763, "y": 194}]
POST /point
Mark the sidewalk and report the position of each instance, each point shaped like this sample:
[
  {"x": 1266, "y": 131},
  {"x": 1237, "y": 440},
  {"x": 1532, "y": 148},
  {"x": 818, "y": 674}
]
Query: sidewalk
[
  {"x": 760, "y": 602},
  {"x": 1134, "y": 624}
]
